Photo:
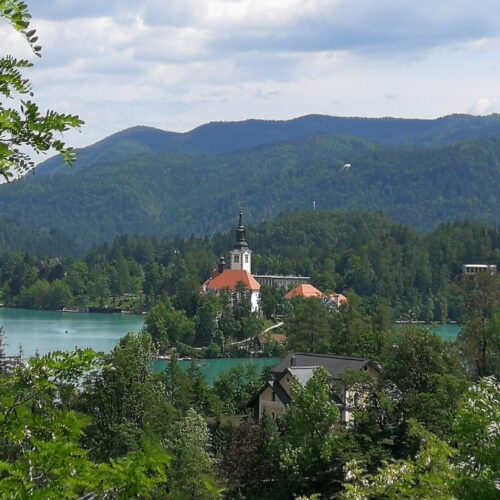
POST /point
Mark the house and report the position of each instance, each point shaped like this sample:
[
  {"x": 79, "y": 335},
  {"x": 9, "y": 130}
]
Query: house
[
  {"x": 336, "y": 300},
  {"x": 281, "y": 281},
  {"x": 305, "y": 291},
  {"x": 472, "y": 269},
  {"x": 239, "y": 274},
  {"x": 275, "y": 395},
  {"x": 266, "y": 338}
]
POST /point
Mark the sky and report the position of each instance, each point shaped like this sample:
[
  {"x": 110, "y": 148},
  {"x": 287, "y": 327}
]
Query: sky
[{"x": 176, "y": 64}]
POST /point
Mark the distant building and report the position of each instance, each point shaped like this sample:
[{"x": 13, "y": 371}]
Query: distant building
[
  {"x": 304, "y": 291},
  {"x": 280, "y": 281},
  {"x": 336, "y": 299},
  {"x": 274, "y": 396},
  {"x": 472, "y": 269}
]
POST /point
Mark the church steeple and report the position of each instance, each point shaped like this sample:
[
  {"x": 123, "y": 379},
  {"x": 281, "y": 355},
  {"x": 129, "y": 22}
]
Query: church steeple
[
  {"x": 241, "y": 255},
  {"x": 241, "y": 241}
]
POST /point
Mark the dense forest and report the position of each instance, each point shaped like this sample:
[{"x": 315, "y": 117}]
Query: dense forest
[
  {"x": 139, "y": 191},
  {"x": 89, "y": 425},
  {"x": 84, "y": 425},
  {"x": 226, "y": 137},
  {"x": 416, "y": 276}
]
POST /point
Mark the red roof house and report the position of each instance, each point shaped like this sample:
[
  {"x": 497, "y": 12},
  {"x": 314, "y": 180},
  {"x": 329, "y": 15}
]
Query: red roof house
[{"x": 304, "y": 291}]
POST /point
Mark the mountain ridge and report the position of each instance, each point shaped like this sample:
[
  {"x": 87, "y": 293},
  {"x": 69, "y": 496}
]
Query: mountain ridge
[
  {"x": 225, "y": 137},
  {"x": 169, "y": 194}
]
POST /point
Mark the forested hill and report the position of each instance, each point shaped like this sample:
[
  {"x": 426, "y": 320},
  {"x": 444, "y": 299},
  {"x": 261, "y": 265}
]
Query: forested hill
[
  {"x": 47, "y": 243},
  {"x": 370, "y": 254},
  {"x": 224, "y": 137},
  {"x": 165, "y": 194}
]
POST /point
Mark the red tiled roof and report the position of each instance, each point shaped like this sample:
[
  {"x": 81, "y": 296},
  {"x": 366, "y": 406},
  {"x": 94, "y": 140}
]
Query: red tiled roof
[
  {"x": 230, "y": 278},
  {"x": 304, "y": 291}
]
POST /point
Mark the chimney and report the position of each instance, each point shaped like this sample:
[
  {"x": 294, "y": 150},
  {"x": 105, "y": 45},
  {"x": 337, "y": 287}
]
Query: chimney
[
  {"x": 222, "y": 264},
  {"x": 293, "y": 361}
]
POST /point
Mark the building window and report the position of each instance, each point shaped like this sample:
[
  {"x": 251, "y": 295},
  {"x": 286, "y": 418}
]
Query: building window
[
  {"x": 246, "y": 258},
  {"x": 274, "y": 396},
  {"x": 236, "y": 258}
]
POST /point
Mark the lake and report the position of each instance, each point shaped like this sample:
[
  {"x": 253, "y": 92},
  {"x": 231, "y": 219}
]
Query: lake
[
  {"x": 46, "y": 331},
  {"x": 212, "y": 368},
  {"x": 446, "y": 331}
]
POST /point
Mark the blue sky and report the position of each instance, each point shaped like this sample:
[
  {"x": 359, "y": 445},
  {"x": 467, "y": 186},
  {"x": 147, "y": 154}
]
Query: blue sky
[{"x": 175, "y": 64}]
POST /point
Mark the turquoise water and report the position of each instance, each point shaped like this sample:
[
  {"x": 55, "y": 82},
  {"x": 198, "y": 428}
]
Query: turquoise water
[
  {"x": 445, "y": 331},
  {"x": 212, "y": 368},
  {"x": 47, "y": 331}
]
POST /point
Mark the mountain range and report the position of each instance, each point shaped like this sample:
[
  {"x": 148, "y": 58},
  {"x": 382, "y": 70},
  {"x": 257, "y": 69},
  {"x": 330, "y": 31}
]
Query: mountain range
[{"x": 148, "y": 181}]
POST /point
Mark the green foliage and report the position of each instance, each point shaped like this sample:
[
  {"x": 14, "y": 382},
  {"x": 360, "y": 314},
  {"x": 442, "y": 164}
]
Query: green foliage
[
  {"x": 309, "y": 327},
  {"x": 236, "y": 387},
  {"x": 123, "y": 400},
  {"x": 192, "y": 468},
  {"x": 41, "y": 456},
  {"x": 477, "y": 434},
  {"x": 166, "y": 193},
  {"x": 427, "y": 371},
  {"x": 480, "y": 336},
  {"x": 430, "y": 474},
  {"x": 310, "y": 447},
  {"x": 23, "y": 124},
  {"x": 168, "y": 327},
  {"x": 248, "y": 462}
]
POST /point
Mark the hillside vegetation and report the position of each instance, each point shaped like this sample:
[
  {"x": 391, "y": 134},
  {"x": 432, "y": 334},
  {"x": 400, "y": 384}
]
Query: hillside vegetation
[
  {"x": 168, "y": 194},
  {"x": 382, "y": 261}
]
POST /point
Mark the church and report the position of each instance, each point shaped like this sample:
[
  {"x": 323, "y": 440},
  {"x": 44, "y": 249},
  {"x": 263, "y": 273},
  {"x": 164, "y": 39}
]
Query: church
[{"x": 239, "y": 272}]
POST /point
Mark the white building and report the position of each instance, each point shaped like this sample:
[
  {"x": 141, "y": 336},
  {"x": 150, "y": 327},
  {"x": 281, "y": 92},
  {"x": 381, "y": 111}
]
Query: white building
[
  {"x": 471, "y": 269},
  {"x": 239, "y": 272}
]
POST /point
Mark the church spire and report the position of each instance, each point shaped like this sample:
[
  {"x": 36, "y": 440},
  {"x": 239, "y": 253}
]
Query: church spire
[{"x": 241, "y": 241}]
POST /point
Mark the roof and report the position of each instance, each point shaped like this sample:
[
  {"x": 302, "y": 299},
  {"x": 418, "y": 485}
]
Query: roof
[
  {"x": 337, "y": 298},
  {"x": 302, "y": 373},
  {"x": 280, "y": 338},
  {"x": 230, "y": 278},
  {"x": 280, "y": 392},
  {"x": 305, "y": 291},
  {"x": 335, "y": 365}
]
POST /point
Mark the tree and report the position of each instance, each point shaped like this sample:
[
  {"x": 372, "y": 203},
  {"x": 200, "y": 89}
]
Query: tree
[
  {"x": 207, "y": 328},
  {"x": 23, "y": 125},
  {"x": 309, "y": 327},
  {"x": 477, "y": 433},
  {"x": 192, "y": 468},
  {"x": 310, "y": 446},
  {"x": 123, "y": 400},
  {"x": 236, "y": 387},
  {"x": 429, "y": 474},
  {"x": 427, "y": 371},
  {"x": 41, "y": 456},
  {"x": 248, "y": 462}
]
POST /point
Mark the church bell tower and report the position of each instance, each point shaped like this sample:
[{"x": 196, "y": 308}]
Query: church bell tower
[{"x": 241, "y": 255}]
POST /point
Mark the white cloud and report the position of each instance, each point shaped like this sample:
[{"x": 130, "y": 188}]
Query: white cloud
[
  {"x": 486, "y": 106},
  {"x": 180, "y": 63}
]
